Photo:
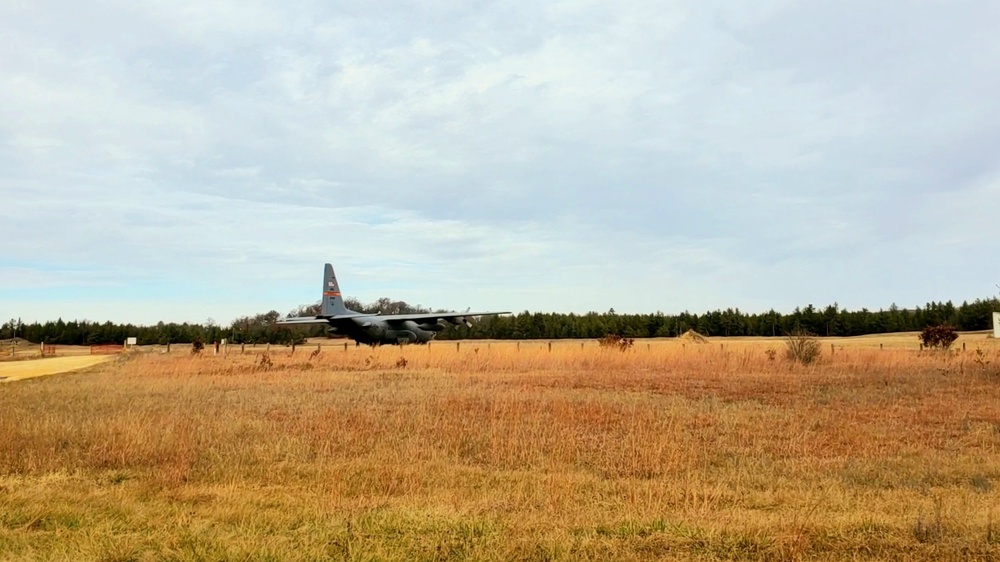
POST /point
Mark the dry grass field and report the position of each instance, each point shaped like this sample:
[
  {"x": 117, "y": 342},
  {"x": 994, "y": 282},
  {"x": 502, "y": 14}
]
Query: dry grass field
[{"x": 489, "y": 452}]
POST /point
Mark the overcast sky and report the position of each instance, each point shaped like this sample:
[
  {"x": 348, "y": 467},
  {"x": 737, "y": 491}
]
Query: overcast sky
[{"x": 184, "y": 159}]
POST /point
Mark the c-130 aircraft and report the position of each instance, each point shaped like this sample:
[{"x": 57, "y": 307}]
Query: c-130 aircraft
[{"x": 376, "y": 329}]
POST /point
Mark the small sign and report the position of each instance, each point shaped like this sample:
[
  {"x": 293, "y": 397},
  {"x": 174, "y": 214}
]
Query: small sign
[
  {"x": 996, "y": 325},
  {"x": 130, "y": 341}
]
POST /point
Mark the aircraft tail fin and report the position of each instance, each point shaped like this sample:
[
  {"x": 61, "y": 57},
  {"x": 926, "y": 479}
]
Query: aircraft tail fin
[{"x": 332, "y": 303}]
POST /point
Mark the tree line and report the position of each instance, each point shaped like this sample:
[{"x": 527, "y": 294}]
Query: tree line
[
  {"x": 829, "y": 321},
  {"x": 261, "y": 328}
]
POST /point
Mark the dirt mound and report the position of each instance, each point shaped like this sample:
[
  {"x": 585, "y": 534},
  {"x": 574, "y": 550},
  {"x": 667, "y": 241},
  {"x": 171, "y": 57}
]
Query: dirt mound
[
  {"x": 14, "y": 342},
  {"x": 693, "y": 337}
]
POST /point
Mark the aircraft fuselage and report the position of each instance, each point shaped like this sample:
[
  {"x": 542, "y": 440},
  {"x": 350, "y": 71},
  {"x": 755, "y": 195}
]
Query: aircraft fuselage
[{"x": 370, "y": 330}]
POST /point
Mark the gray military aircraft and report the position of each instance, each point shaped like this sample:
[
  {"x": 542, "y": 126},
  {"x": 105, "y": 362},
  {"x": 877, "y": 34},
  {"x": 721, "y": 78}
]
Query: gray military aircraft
[{"x": 374, "y": 328}]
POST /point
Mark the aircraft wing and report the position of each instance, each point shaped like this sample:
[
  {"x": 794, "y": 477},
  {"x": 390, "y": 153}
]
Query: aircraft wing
[
  {"x": 316, "y": 319},
  {"x": 303, "y": 320},
  {"x": 449, "y": 316}
]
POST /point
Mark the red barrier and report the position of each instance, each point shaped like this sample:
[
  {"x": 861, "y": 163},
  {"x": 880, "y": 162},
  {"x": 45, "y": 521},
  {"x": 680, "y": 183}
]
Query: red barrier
[
  {"x": 106, "y": 349},
  {"x": 48, "y": 350}
]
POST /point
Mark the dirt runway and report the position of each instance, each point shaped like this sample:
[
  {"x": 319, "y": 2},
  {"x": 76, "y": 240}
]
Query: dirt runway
[{"x": 19, "y": 370}]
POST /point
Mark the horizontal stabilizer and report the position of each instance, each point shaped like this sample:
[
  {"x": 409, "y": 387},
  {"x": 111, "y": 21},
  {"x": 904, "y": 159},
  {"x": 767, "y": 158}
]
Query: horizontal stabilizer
[{"x": 316, "y": 319}]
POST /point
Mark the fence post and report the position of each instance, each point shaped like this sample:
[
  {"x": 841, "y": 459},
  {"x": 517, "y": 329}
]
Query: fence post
[
  {"x": 168, "y": 347},
  {"x": 581, "y": 345},
  {"x": 550, "y": 347},
  {"x": 318, "y": 350},
  {"x": 458, "y": 346},
  {"x": 345, "y": 346},
  {"x": 243, "y": 348},
  {"x": 880, "y": 347},
  {"x": 963, "y": 346},
  {"x": 293, "y": 349},
  {"x": 519, "y": 346},
  {"x": 831, "y": 349}
]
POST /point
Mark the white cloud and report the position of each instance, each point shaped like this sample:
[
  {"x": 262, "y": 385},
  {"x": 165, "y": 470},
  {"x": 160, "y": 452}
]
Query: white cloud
[{"x": 566, "y": 156}]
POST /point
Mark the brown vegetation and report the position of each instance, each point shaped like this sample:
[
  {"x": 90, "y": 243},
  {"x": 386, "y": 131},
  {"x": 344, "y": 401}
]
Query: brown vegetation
[
  {"x": 614, "y": 341},
  {"x": 490, "y": 453},
  {"x": 934, "y": 337},
  {"x": 802, "y": 347}
]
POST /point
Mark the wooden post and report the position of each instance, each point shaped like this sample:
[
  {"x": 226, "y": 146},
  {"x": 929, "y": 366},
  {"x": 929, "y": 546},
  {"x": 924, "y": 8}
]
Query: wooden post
[
  {"x": 519, "y": 346},
  {"x": 648, "y": 348},
  {"x": 831, "y": 349},
  {"x": 293, "y": 349},
  {"x": 458, "y": 346},
  {"x": 880, "y": 347},
  {"x": 243, "y": 348},
  {"x": 550, "y": 347},
  {"x": 345, "y": 346},
  {"x": 581, "y": 345},
  {"x": 318, "y": 350},
  {"x": 963, "y": 346},
  {"x": 168, "y": 347}
]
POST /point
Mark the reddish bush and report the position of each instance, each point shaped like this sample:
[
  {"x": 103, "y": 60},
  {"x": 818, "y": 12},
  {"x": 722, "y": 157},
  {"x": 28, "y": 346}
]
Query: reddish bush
[{"x": 938, "y": 336}]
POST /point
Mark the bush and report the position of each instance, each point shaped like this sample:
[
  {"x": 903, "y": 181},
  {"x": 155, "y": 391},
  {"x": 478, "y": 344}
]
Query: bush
[
  {"x": 265, "y": 363},
  {"x": 938, "y": 336},
  {"x": 197, "y": 345},
  {"x": 803, "y": 347},
  {"x": 614, "y": 341}
]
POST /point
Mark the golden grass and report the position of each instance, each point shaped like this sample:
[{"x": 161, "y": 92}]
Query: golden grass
[{"x": 709, "y": 452}]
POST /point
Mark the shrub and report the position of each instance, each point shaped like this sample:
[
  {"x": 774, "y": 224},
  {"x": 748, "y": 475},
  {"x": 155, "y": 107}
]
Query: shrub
[
  {"x": 803, "y": 347},
  {"x": 197, "y": 346},
  {"x": 938, "y": 336},
  {"x": 614, "y": 341},
  {"x": 264, "y": 363}
]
